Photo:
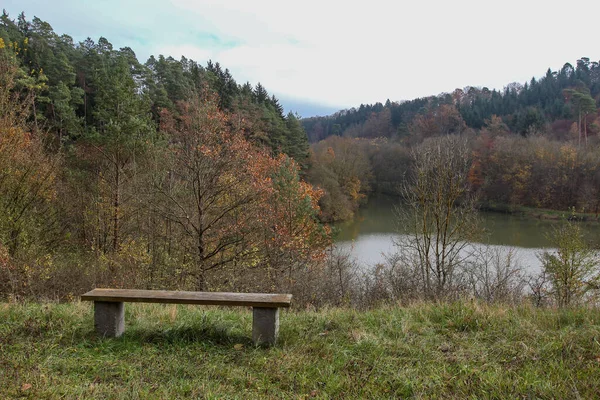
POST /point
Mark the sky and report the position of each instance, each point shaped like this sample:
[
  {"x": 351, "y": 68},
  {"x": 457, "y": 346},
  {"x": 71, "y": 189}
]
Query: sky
[{"x": 319, "y": 56}]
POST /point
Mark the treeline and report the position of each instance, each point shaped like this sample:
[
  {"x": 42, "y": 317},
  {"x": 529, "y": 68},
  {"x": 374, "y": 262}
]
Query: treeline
[
  {"x": 507, "y": 170},
  {"x": 158, "y": 175},
  {"x": 549, "y": 104},
  {"x": 533, "y": 145},
  {"x": 70, "y": 83}
]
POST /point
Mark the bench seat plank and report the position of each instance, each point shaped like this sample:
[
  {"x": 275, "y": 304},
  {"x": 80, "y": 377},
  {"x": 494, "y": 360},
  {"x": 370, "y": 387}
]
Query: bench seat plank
[{"x": 263, "y": 300}]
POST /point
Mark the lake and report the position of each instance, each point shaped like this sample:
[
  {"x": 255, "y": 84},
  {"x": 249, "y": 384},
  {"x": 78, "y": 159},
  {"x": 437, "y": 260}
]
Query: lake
[{"x": 371, "y": 233}]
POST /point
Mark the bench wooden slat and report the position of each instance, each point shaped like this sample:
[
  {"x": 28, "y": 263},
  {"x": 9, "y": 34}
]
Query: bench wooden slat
[{"x": 180, "y": 297}]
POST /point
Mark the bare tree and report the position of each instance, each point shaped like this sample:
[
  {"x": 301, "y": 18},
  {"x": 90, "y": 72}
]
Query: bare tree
[
  {"x": 494, "y": 274},
  {"x": 400, "y": 272},
  {"x": 538, "y": 286},
  {"x": 439, "y": 211}
]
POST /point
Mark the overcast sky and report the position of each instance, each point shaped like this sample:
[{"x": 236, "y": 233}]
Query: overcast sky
[{"x": 320, "y": 56}]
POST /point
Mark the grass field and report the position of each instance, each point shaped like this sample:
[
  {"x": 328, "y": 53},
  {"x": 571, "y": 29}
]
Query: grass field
[{"x": 459, "y": 350}]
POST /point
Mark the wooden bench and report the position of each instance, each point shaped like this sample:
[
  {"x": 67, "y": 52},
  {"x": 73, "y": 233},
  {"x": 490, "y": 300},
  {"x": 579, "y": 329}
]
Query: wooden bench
[{"x": 109, "y": 310}]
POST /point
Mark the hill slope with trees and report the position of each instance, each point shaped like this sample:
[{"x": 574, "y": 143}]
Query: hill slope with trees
[
  {"x": 554, "y": 101},
  {"x": 533, "y": 145},
  {"x": 69, "y": 83},
  {"x": 161, "y": 174}
]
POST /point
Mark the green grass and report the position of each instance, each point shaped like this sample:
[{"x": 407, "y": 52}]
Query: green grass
[{"x": 459, "y": 350}]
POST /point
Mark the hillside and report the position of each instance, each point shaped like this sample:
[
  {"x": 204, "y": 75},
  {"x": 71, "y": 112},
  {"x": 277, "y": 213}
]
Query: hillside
[
  {"x": 167, "y": 172},
  {"x": 550, "y": 101},
  {"x": 69, "y": 82},
  {"x": 532, "y": 145}
]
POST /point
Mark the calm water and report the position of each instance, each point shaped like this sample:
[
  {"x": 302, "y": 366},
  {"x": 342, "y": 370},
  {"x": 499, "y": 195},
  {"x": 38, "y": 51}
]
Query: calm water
[{"x": 370, "y": 234}]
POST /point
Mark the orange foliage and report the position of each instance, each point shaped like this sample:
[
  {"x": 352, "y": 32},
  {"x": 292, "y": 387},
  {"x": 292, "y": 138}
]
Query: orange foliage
[
  {"x": 236, "y": 203},
  {"x": 475, "y": 175},
  {"x": 27, "y": 173}
]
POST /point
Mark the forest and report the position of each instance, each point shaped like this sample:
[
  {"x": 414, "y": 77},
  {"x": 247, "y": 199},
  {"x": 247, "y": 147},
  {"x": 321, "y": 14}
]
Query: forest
[
  {"x": 161, "y": 174},
  {"x": 534, "y": 144},
  {"x": 552, "y": 101},
  {"x": 170, "y": 174}
]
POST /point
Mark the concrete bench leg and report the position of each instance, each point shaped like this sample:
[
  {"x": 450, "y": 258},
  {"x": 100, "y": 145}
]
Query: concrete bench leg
[
  {"x": 265, "y": 325},
  {"x": 109, "y": 318}
]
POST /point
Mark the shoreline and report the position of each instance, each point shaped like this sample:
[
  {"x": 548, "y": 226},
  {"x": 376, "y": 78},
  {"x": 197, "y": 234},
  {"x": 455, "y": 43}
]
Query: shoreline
[{"x": 539, "y": 213}]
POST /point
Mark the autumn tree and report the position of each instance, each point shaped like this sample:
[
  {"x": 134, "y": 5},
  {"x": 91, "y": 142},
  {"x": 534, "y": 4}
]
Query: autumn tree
[
  {"x": 27, "y": 183},
  {"x": 201, "y": 190},
  {"x": 442, "y": 120},
  {"x": 341, "y": 167},
  {"x": 228, "y": 196},
  {"x": 296, "y": 239},
  {"x": 27, "y": 173}
]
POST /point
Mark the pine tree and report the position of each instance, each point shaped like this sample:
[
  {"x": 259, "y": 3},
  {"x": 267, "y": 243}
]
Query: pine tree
[
  {"x": 296, "y": 144},
  {"x": 122, "y": 128}
]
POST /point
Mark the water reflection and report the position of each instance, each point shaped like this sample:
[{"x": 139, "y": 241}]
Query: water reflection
[
  {"x": 370, "y": 249},
  {"x": 371, "y": 234}
]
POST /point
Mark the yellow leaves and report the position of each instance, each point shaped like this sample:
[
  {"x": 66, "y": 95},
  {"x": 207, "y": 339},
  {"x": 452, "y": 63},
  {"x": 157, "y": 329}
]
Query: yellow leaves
[
  {"x": 353, "y": 188},
  {"x": 24, "y": 164},
  {"x": 134, "y": 252},
  {"x": 44, "y": 267},
  {"x": 2, "y": 44},
  {"x": 4, "y": 258},
  {"x": 541, "y": 153},
  {"x": 519, "y": 177},
  {"x": 568, "y": 156}
]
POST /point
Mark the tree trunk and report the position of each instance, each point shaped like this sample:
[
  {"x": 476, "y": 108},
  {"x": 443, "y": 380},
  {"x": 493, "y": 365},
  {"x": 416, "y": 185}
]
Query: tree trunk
[
  {"x": 201, "y": 278},
  {"x": 585, "y": 129},
  {"x": 35, "y": 121},
  {"x": 579, "y": 130},
  {"x": 116, "y": 206}
]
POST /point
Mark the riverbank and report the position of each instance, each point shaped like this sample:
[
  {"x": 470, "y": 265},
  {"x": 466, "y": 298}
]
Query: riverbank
[
  {"x": 539, "y": 213},
  {"x": 389, "y": 200},
  {"x": 461, "y": 350}
]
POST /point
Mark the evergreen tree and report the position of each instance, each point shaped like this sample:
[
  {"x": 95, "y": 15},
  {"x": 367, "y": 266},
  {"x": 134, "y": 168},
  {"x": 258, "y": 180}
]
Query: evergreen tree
[
  {"x": 296, "y": 144},
  {"x": 121, "y": 131},
  {"x": 260, "y": 94}
]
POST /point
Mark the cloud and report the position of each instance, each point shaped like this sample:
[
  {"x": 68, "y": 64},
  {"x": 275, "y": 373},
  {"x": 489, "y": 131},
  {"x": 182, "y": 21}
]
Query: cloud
[{"x": 347, "y": 53}]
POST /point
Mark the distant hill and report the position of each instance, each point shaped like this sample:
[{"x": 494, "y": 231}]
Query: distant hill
[{"x": 550, "y": 104}]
